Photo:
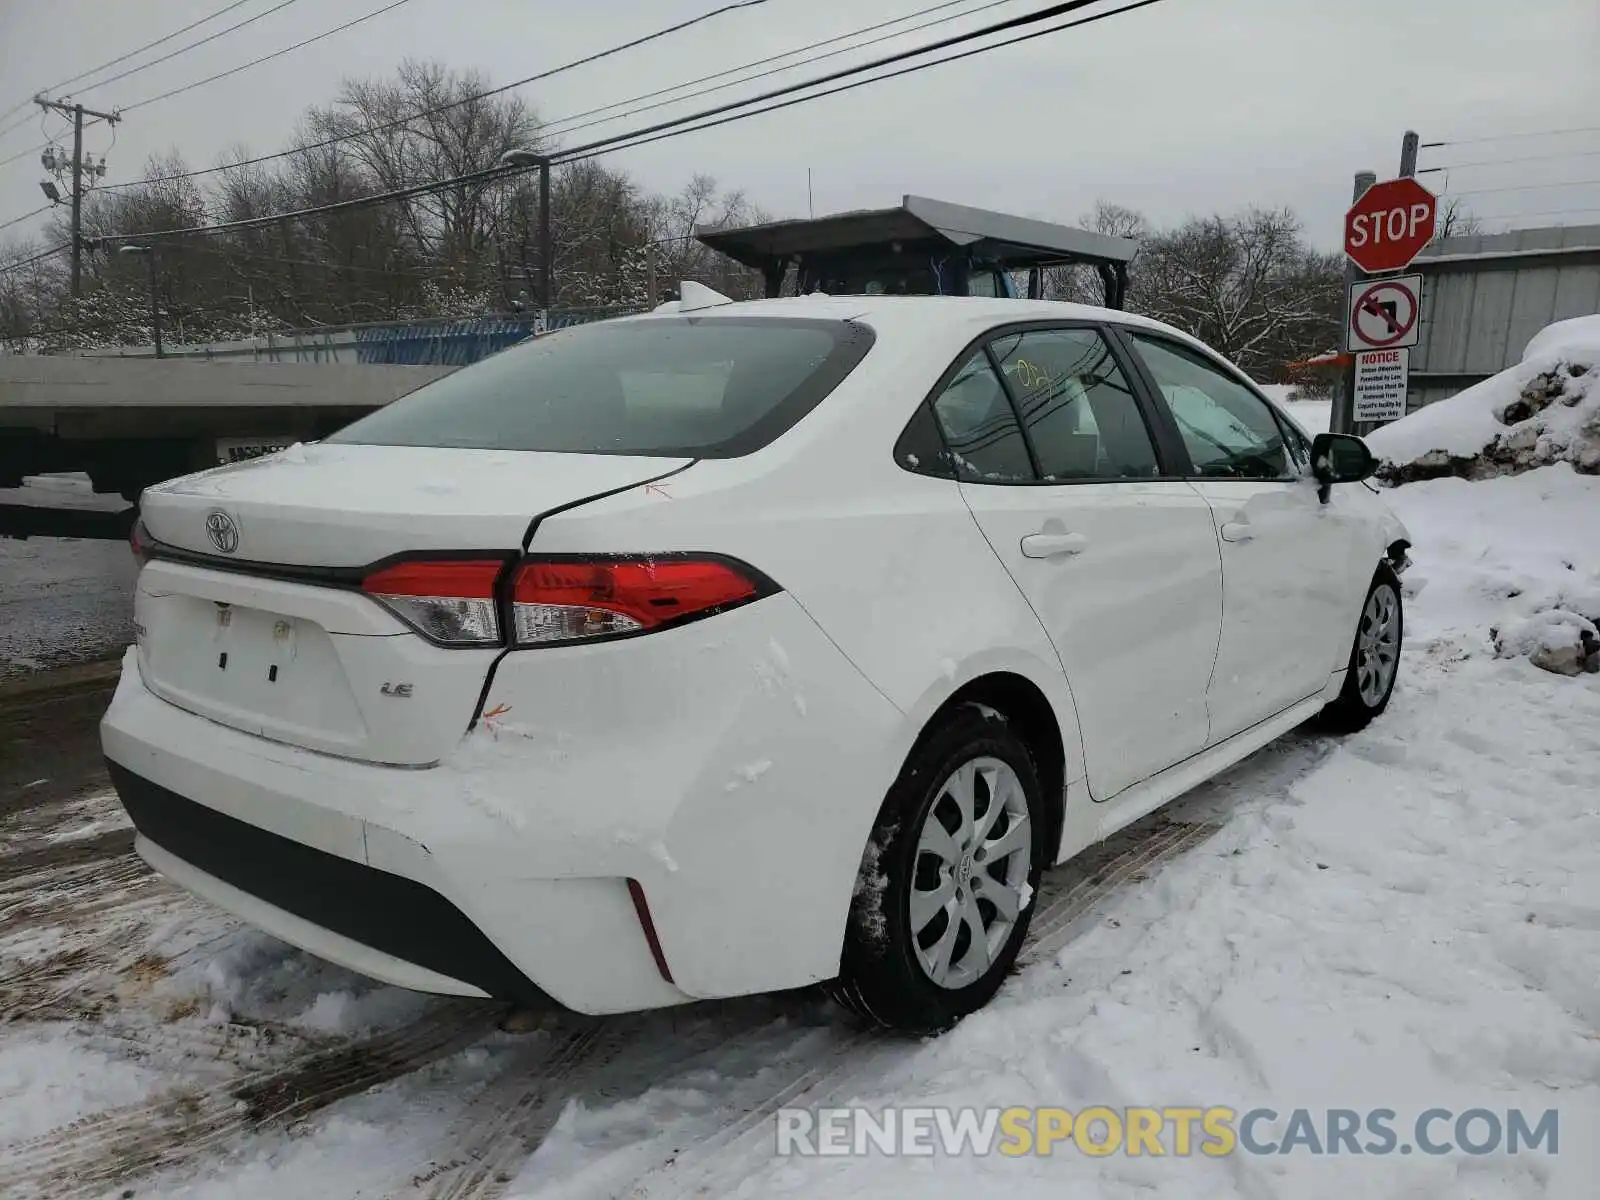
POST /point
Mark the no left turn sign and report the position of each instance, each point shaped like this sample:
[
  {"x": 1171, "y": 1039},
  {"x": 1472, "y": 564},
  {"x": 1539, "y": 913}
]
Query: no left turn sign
[{"x": 1383, "y": 313}]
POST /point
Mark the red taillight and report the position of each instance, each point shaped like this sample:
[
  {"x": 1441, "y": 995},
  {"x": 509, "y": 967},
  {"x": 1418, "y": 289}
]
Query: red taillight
[
  {"x": 450, "y": 602},
  {"x": 560, "y": 600},
  {"x": 136, "y": 542}
]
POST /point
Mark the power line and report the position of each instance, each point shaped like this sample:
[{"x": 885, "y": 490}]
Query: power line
[
  {"x": 256, "y": 62},
  {"x": 1055, "y": 10},
  {"x": 27, "y": 119},
  {"x": 1510, "y": 137},
  {"x": 100, "y": 83},
  {"x": 1549, "y": 212},
  {"x": 1529, "y": 187},
  {"x": 43, "y": 145},
  {"x": 428, "y": 112},
  {"x": 23, "y": 154},
  {"x": 681, "y": 124},
  {"x": 40, "y": 257},
  {"x": 25, "y": 216},
  {"x": 607, "y": 146},
  {"x": 1499, "y": 162},
  {"x": 232, "y": 253},
  {"x": 761, "y": 62},
  {"x": 56, "y": 87}
]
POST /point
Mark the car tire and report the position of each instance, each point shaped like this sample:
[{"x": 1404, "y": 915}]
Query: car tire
[
  {"x": 1374, "y": 664},
  {"x": 911, "y": 960}
]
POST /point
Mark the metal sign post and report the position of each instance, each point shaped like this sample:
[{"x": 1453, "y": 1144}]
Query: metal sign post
[
  {"x": 1342, "y": 419},
  {"x": 1387, "y": 226}
]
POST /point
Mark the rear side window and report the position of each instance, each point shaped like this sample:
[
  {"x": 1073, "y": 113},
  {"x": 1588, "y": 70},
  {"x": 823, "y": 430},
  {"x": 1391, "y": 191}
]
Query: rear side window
[
  {"x": 981, "y": 426},
  {"x": 1078, "y": 409},
  {"x": 714, "y": 387}
]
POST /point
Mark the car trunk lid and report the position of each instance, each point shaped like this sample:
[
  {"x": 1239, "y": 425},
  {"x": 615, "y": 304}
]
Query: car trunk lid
[
  {"x": 332, "y": 506},
  {"x": 252, "y": 615}
]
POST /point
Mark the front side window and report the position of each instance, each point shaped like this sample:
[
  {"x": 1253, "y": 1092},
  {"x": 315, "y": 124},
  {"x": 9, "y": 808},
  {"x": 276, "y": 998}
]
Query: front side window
[
  {"x": 1229, "y": 431},
  {"x": 1077, "y": 407},
  {"x": 1299, "y": 447},
  {"x": 703, "y": 387},
  {"x": 981, "y": 427}
]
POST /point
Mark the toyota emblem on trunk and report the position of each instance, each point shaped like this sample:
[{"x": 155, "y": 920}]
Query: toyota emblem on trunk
[{"x": 224, "y": 534}]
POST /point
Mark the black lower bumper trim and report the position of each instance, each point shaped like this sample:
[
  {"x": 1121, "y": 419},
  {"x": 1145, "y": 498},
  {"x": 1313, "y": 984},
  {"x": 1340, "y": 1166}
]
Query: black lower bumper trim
[{"x": 387, "y": 912}]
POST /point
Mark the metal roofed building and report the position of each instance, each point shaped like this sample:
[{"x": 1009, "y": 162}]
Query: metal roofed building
[{"x": 921, "y": 247}]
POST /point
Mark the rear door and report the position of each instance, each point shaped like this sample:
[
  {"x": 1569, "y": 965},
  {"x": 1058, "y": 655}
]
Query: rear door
[
  {"x": 1285, "y": 555},
  {"x": 1118, "y": 558}
]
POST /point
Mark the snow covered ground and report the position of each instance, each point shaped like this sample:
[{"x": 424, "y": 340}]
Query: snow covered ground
[
  {"x": 64, "y": 600},
  {"x": 1406, "y": 918}
]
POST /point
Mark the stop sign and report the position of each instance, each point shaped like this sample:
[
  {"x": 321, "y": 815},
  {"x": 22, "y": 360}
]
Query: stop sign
[{"x": 1389, "y": 226}]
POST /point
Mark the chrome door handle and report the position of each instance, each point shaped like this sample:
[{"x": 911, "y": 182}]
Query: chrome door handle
[
  {"x": 1048, "y": 545},
  {"x": 1237, "y": 531}
]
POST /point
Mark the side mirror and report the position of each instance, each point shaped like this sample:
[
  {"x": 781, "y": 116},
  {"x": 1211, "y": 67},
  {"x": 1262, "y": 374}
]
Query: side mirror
[{"x": 1340, "y": 458}]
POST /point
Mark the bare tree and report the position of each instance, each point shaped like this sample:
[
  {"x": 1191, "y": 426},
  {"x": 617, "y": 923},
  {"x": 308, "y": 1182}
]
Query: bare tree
[
  {"x": 703, "y": 204},
  {"x": 1456, "y": 221},
  {"x": 1247, "y": 284},
  {"x": 1081, "y": 284}
]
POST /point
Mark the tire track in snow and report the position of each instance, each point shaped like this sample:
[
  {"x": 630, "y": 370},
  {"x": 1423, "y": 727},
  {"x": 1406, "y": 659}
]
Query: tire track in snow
[
  {"x": 625, "y": 1056},
  {"x": 722, "y": 1156},
  {"x": 726, "y": 1150},
  {"x": 1055, "y": 921},
  {"x": 116, "y": 1146},
  {"x": 505, "y": 1123},
  {"x": 16, "y": 869}
]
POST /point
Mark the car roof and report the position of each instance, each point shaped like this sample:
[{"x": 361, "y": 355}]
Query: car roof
[{"x": 953, "y": 318}]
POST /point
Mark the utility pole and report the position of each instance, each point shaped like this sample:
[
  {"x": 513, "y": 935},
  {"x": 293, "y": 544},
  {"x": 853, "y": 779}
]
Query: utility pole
[
  {"x": 1409, "y": 146},
  {"x": 650, "y": 298},
  {"x": 77, "y": 112},
  {"x": 1344, "y": 404}
]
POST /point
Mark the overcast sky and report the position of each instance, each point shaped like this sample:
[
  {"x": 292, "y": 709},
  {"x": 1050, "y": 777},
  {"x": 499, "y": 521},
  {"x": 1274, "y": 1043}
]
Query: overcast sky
[{"x": 1190, "y": 106}]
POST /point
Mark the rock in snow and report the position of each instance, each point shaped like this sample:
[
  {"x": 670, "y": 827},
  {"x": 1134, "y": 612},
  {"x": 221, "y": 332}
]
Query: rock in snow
[{"x": 1544, "y": 410}]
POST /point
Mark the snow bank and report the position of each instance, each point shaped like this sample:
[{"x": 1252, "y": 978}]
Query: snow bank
[
  {"x": 1544, "y": 410},
  {"x": 1534, "y": 593},
  {"x": 1580, "y": 335}
]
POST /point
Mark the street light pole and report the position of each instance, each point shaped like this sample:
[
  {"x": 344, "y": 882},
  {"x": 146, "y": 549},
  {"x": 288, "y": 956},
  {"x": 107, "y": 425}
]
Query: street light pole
[
  {"x": 531, "y": 158},
  {"x": 544, "y": 236},
  {"x": 149, "y": 253}
]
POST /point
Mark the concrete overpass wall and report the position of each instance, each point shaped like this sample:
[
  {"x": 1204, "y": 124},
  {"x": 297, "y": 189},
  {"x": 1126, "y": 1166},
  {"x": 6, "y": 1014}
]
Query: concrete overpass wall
[
  {"x": 132, "y": 422},
  {"x": 44, "y": 392}
]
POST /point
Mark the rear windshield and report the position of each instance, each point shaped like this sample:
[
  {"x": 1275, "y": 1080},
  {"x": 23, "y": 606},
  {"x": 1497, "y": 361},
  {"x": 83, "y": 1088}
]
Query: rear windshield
[{"x": 671, "y": 386}]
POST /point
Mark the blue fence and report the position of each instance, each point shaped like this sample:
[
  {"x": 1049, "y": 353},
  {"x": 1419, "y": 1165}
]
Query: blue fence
[{"x": 457, "y": 343}]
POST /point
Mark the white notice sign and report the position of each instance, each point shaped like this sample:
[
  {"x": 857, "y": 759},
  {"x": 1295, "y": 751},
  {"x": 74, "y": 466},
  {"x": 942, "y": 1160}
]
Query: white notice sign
[{"x": 1381, "y": 378}]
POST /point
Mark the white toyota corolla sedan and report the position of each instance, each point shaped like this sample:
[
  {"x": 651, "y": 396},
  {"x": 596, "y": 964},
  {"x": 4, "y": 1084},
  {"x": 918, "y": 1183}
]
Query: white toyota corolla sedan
[{"x": 738, "y": 647}]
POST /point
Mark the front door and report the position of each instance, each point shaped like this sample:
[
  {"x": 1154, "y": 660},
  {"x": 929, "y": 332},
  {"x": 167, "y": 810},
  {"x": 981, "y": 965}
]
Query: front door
[
  {"x": 1285, "y": 555},
  {"x": 1119, "y": 562}
]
